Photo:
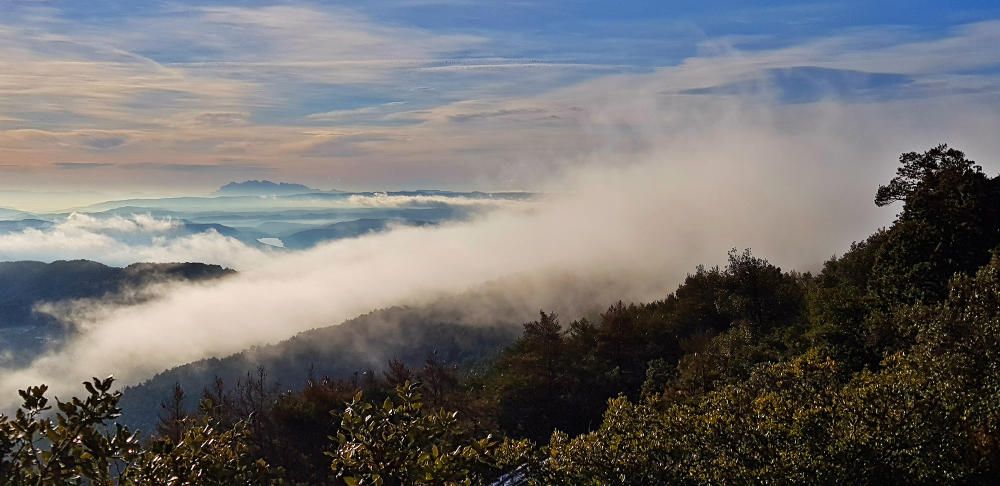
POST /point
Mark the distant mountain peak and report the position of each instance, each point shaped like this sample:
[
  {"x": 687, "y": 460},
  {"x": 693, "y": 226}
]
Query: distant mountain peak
[{"x": 263, "y": 188}]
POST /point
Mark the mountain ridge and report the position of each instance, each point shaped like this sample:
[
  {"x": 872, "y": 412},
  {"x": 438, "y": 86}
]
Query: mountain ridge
[{"x": 264, "y": 188}]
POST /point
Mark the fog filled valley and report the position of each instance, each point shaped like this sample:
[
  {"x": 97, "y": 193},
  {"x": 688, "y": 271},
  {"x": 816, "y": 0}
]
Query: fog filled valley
[
  {"x": 400, "y": 243},
  {"x": 262, "y": 349}
]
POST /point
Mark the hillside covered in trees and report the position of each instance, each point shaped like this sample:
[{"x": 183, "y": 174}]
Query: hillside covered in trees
[
  {"x": 26, "y": 329},
  {"x": 883, "y": 367}
]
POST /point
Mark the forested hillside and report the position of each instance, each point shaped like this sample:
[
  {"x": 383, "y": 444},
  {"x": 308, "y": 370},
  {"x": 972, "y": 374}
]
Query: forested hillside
[
  {"x": 26, "y": 284},
  {"x": 883, "y": 367},
  {"x": 351, "y": 350},
  {"x": 25, "y": 330}
]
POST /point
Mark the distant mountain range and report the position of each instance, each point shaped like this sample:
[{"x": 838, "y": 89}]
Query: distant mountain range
[
  {"x": 27, "y": 283},
  {"x": 200, "y": 207},
  {"x": 348, "y": 229},
  {"x": 23, "y": 224},
  {"x": 6, "y": 213},
  {"x": 299, "y": 220},
  {"x": 263, "y": 188},
  {"x": 293, "y": 235}
]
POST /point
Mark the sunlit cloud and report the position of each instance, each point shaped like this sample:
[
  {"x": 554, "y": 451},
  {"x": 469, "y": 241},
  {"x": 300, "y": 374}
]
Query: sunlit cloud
[{"x": 118, "y": 240}]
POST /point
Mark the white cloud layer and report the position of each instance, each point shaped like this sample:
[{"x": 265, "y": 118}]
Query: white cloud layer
[{"x": 120, "y": 241}]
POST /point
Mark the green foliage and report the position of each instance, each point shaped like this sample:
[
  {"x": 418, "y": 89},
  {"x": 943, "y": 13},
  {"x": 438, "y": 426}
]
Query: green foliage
[
  {"x": 537, "y": 382},
  {"x": 939, "y": 167},
  {"x": 208, "y": 453},
  {"x": 727, "y": 358},
  {"x": 555, "y": 379},
  {"x": 77, "y": 446},
  {"x": 928, "y": 417},
  {"x": 658, "y": 374},
  {"x": 634, "y": 445},
  {"x": 759, "y": 293},
  {"x": 404, "y": 443},
  {"x": 950, "y": 222},
  {"x": 839, "y": 308},
  {"x": 36, "y": 448}
]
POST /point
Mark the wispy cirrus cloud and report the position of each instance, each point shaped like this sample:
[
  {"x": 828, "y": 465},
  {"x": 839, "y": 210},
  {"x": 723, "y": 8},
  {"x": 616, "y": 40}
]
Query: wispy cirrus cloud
[
  {"x": 82, "y": 165},
  {"x": 388, "y": 95},
  {"x": 117, "y": 240},
  {"x": 375, "y": 113}
]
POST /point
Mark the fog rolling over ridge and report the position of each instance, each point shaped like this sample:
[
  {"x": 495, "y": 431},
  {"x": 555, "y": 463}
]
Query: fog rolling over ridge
[{"x": 791, "y": 183}]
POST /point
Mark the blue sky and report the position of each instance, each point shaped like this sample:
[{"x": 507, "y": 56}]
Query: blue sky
[{"x": 451, "y": 93}]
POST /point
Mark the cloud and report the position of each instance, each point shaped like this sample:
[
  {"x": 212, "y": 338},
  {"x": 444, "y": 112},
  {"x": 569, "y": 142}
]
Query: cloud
[
  {"x": 464, "y": 117},
  {"x": 164, "y": 67},
  {"x": 382, "y": 200},
  {"x": 356, "y": 115},
  {"x": 104, "y": 143},
  {"x": 82, "y": 165},
  {"x": 333, "y": 144},
  {"x": 229, "y": 168},
  {"x": 117, "y": 240},
  {"x": 224, "y": 119},
  {"x": 292, "y": 34},
  {"x": 86, "y": 139},
  {"x": 137, "y": 223},
  {"x": 522, "y": 65},
  {"x": 203, "y": 87}
]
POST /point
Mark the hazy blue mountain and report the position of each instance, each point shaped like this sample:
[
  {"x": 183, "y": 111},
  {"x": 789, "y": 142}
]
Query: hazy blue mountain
[
  {"x": 285, "y": 221},
  {"x": 263, "y": 188},
  {"x": 26, "y": 284},
  {"x": 485, "y": 196},
  {"x": 248, "y": 236},
  {"x": 23, "y": 224},
  {"x": 14, "y": 214},
  {"x": 347, "y": 229},
  {"x": 300, "y": 221},
  {"x": 234, "y": 200},
  {"x": 280, "y": 229},
  {"x": 185, "y": 204}
]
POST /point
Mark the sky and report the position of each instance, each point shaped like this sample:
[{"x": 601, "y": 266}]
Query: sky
[{"x": 182, "y": 96}]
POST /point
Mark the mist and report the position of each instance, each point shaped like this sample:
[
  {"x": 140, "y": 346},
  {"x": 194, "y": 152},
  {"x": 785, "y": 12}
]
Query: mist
[
  {"x": 679, "y": 182},
  {"x": 120, "y": 241}
]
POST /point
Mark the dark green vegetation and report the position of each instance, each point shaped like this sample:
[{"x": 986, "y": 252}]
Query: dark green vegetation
[
  {"x": 882, "y": 368},
  {"x": 348, "y": 350},
  {"x": 28, "y": 283}
]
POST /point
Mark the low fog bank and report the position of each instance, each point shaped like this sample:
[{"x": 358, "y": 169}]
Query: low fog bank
[
  {"x": 794, "y": 184},
  {"x": 461, "y": 328},
  {"x": 122, "y": 240},
  {"x": 175, "y": 229}
]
